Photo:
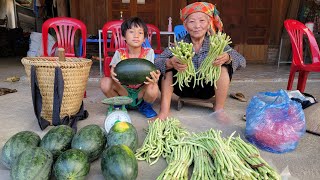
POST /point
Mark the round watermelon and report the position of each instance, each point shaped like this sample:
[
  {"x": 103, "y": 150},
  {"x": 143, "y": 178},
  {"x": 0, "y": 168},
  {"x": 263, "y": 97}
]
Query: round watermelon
[
  {"x": 119, "y": 163},
  {"x": 91, "y": 139},
  {"x": 57, "y": 140},
  {"x": 17, "y": 144},
  {"x": 123, "y": 133},
  {"x": 34, "y": 163},
  {"x": 72, "y": 164}
]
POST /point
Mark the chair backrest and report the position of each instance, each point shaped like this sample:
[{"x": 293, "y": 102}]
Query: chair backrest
[
  {"x": 179, "y": 32},
  {"x": 296, "y": 30},
  {"x": 112, "y": 43},
  {"x": 65, "y": 29},
  {"x": 153, "y": 30}
]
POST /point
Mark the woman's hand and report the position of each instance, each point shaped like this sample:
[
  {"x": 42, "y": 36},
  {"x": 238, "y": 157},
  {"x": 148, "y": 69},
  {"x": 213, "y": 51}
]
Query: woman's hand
[
  {"x": 154, "y": 77},
  {"x": 176, "y": 64},
  {"x": 113, "y": 74},
  {"x": 222, "y": 59}
]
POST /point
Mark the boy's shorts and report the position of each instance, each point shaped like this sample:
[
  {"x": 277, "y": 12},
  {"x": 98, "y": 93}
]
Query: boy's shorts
[{"x": 133, "y": 94}]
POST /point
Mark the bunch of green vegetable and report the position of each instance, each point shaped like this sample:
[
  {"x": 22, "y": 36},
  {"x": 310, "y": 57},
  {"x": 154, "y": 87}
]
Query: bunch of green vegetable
[
  {"x": 207, "y": 71},
  {"x": 160, "y": 136},
  {"x": 184, "y": 52},
  {"x": 212, "y": 156},
  {"x": 250, "y": 156},
  {"x": 180, "y": 161}
]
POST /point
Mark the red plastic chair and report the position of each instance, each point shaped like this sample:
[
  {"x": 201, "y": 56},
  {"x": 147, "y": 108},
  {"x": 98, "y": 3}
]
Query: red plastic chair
[
  {"x": 110, "y": 45},
  {"x": 153, "y": 30},
  {"x": 296, "y": 30},
  {"x": 65, "y": 29},
  {"x": 116, "y": 41}
]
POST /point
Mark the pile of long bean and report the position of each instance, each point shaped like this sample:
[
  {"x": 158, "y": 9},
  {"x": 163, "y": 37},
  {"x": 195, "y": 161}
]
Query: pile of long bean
[
  {"x": 203, "y": 167},
  {"x": 212, "y": 156},
  {"x": 160, "y": 135},
  {"x": 184, "y": 52},
  {"x": 207, "y": 72},
  {"x": 251, "y": 158},
  {"x": 180, "y": 161}
]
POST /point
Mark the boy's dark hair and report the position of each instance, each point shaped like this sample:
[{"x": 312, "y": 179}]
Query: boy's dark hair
[{"x": 133, "y": 22}]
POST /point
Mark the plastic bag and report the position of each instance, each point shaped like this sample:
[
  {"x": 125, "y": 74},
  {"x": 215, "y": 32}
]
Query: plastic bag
[
  {"x": 274, "y": 123},
  {"x": 35, "y": 46}
]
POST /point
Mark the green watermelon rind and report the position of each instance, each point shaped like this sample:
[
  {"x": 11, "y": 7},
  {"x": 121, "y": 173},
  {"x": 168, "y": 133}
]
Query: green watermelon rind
[
  {"x": 16, "y": 145},
  {"x": 91, "y": 139},
  {"x": 72, "y": 164},
  {"x": 34, "y": 163},
  {"x": 57, "y": 140},
  {"x": 119, "y": 163},
  {"x": 134, "y": 70},
  {"x": 128, "y": 138}
]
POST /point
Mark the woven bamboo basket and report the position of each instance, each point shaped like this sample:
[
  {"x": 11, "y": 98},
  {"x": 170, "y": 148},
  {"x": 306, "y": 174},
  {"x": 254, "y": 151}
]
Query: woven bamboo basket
[{"x": 75, "y": 73}]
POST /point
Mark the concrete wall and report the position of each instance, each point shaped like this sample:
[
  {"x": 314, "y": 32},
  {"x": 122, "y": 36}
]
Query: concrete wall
[{"x": 7, "y": 8}]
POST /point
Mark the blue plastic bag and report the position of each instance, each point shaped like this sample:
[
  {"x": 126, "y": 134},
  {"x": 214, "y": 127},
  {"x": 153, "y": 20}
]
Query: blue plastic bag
[{"x": 274, "y": 122}]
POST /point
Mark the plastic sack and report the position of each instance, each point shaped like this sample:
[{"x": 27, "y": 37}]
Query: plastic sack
[
  {"x": 35, "y": 46},
  {"x": 275, "y": 123}
]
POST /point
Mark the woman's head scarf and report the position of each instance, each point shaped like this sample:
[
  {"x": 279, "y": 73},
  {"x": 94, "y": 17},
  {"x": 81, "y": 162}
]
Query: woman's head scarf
[{"x": 204, "y": 7}]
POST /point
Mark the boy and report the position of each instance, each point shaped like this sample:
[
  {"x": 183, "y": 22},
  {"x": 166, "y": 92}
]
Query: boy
[{"x": 134, "y": 31}]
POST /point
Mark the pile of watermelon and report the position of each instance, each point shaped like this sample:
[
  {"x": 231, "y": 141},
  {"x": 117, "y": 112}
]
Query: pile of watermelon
[{"x": 67, "y": 155}]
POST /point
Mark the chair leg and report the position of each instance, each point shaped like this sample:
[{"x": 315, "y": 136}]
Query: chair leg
[
  {"x": 180, "y": 104},
  {"x": 290, "y": 80},
  {"x": 303, "y": 76}
]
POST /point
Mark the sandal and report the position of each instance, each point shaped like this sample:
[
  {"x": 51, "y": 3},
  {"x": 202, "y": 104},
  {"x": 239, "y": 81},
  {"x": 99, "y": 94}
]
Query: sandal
[
  {"x": 238, "y": 96},
  {"x": 244, "y": 118}
]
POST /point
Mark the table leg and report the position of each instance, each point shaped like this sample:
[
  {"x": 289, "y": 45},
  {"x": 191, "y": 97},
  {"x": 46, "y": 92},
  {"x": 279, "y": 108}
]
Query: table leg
[{"x": 100, "y": 56}]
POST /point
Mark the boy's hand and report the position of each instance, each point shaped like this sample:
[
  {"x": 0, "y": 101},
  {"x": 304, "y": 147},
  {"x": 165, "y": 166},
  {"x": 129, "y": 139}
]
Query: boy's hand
[
  {"x": 113, "y": 74},
  {"x": 154, "y": 77}
]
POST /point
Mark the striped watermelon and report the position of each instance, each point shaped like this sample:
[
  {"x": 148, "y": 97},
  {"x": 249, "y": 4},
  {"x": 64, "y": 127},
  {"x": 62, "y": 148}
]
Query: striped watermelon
[
  {"x": 91, "y": 139},
  {"x": 57, "y": 140},
  {"x": 16, "y": 145},
  {"x": 34, "y": 163},
  {"x": 123, "y": 133},
  {"x": 72, "y": 164},
  {"x": 119, "y": 162}
]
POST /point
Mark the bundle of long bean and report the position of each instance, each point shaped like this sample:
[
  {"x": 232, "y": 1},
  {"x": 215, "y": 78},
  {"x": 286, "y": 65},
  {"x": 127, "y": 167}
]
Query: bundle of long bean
[
  {"x": 207, "y": 71},
  {"x": 184, "y": 52},
  {"x": 213, "y": 157},
  {"x": 203, "y": 167},
  {"x": 172, "y": 132},
  {"x": 160, "y": 135},
  {"x": 226, "y": 162},
  {"x": 251, "y": 158},
  {"x": 179, "y": 164}
]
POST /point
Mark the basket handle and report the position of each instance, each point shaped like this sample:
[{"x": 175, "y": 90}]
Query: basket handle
[{"x": 61, "y": 54}]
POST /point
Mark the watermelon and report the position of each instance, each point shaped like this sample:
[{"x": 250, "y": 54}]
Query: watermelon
[
  {"x": 72, "y": 164},
  {"x": 119, "y": 163},
  {"x": 91, "y": 139},
  {"x": 57, "y": 140},
  {"x": 123, "y": 133},
  {"x": 134, "y": 70},
  {"x": 17, "y": 144},
  {"x": 34, "y": 163}
]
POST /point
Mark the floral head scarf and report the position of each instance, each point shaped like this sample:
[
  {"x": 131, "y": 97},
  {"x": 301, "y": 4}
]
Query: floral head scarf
[{"x": 204, "y": 7}]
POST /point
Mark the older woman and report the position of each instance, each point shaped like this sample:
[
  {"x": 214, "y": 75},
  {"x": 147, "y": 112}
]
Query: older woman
[{"x": 200, "y": 20}]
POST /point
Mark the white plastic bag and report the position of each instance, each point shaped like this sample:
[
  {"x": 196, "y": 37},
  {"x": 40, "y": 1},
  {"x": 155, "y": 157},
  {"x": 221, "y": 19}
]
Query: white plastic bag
[{"x": 35, "y": 46}]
